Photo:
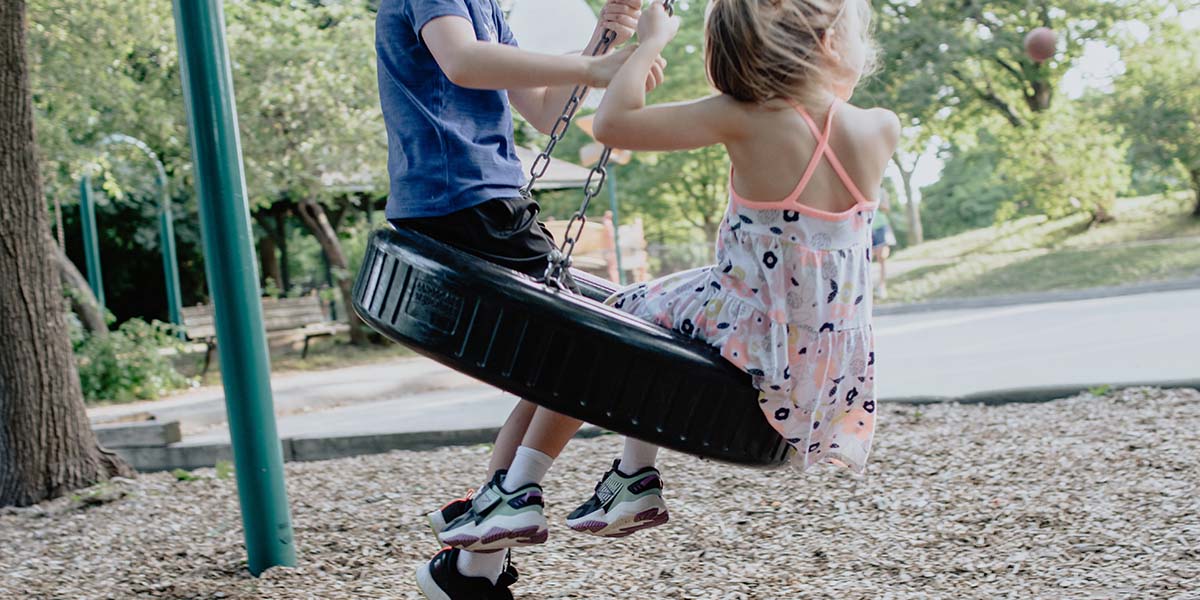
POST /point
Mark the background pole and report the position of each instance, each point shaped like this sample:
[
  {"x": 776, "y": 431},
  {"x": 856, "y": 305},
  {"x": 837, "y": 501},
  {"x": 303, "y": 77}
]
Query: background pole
[
  {"x": 612, "y": 200},
  {"x": 233, "y": 281},
  {"x": 166, "y": 236},
  {"x": 91, "y": 239}
]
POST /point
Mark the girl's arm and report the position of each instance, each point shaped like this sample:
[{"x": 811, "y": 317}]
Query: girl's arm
[{"x": 624, "y": 120}]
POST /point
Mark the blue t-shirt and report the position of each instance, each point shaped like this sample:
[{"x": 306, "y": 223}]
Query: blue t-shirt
[{"x": 449, "y": 147}]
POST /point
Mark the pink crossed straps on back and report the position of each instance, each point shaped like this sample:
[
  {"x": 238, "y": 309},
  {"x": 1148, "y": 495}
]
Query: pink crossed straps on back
[{"x": 823, "y": 150}]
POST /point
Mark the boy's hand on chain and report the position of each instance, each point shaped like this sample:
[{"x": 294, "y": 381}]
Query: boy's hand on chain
[{"x": 621, "y": 16}]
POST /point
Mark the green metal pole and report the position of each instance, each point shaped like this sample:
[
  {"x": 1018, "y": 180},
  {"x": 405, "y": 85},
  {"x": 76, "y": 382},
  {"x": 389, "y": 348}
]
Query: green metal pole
[
  {"x": 166, "y": 237},
  {"x": 233, "y": 280},
  {"x": 91, "y": 239},
  {"x": 612, "y": 200}
]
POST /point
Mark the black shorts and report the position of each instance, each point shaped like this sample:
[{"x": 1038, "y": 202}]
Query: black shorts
[{"x": 505, "y": 231}]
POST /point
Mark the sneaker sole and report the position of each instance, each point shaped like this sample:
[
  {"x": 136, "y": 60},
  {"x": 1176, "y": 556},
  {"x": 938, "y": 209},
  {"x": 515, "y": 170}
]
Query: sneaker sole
[
  {"x": 429, "y": 588},
  {"x": 498, "y": 534},
  {"x": 630, "y": 518}
]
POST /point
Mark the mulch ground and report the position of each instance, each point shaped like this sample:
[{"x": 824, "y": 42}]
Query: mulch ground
[{"x": 1088, "y": 497}]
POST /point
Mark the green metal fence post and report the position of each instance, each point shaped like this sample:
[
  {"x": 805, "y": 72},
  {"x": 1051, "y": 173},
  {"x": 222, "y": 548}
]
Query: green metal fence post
[
  {"x": 91, "y": 239},
  {"x": 233, "y": 280}
]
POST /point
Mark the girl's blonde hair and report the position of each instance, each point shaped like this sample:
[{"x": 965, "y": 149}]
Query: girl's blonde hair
[{"x": 756, "y": 50}]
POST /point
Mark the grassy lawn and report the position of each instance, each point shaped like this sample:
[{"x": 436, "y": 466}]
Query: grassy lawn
[{"x": 1154, "y": 238}]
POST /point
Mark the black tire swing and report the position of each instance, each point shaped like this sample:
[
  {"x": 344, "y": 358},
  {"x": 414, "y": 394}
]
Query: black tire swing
[{"x": 569, "y": 353}]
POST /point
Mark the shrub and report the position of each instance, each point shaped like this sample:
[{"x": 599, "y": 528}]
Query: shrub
[{"x": 131, "y": 363}]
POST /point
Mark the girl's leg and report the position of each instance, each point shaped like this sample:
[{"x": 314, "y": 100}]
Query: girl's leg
[
  {"x": 637, "y": 455},
  {"x": 510, "y": 436},
  {"x": 546, "y": 436}
]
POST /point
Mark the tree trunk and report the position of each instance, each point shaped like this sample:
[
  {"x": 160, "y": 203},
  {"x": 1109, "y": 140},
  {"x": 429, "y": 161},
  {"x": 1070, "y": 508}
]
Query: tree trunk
[
  {"x": 285, "y": 282},
  {"x": 269, "y": 261},
  {"x": 1100, "y": 214},
  {"x": 916, "y": 232},
  {"x": 314, "y": 217},
  {"x": 1039, "y": 100},
  {"x": 47, "y": 447},
  {"x": 83, "y": 301},
  {"x": 1196, "y": 190}
]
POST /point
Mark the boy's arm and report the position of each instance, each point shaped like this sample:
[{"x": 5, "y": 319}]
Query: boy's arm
[
  {"x": 541, "y": 106},
  {"x": 471, "y": 63}
]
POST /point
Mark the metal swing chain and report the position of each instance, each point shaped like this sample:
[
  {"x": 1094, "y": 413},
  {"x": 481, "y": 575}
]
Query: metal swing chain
[{"x": 560, "y": 260}]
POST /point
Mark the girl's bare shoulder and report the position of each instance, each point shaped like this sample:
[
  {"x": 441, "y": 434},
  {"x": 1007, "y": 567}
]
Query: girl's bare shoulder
[{"x": 871, "y": 127}]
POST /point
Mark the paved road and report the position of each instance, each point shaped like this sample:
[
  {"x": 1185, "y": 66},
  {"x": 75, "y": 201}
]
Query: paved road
[
  {"x": 947, "y": 353},
  {"x": 1147, "y": 337}
]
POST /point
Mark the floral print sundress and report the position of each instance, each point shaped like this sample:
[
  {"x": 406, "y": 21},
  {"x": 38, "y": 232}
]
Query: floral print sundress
[{"x": 789, "y": 302}]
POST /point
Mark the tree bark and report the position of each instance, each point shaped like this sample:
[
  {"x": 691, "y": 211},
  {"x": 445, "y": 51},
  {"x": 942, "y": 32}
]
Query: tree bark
[
  {"x": 314, "y": 218},
  {"x": 270, "y": 261},
  {"x": 1196, "y": 191},
  {"x": 47, "y": 447},
  {"x": 83, "y": 301},
  {"x": 916, "y": 231},
  {"x": 1039, "y": 100}
]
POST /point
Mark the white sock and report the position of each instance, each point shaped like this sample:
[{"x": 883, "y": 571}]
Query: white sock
[
  {"x": 481, "y": 564},
  {"x": 528, "y": 466},
  {"x": 637, "y": 456}
]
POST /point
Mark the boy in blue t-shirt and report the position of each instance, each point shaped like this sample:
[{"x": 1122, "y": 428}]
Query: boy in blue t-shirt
[{"x": 448, "y": 71}]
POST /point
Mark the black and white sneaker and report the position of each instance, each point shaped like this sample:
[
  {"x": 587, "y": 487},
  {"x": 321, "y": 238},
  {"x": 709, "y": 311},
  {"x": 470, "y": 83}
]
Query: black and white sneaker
[
  {"x": 440, "y": 518},
  {"x": 623, "y": 504},
  {"x": 439, "y": 579},
  {"x": 499, "y": 519}
]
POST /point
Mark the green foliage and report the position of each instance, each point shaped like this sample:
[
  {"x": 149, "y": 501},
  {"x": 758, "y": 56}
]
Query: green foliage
[
  {"x": 224, "y": 469},
  {"x": 963, "y": 61},
  {"x": 183, "y": 475},
  {"x": 1063, "y": 162},
  {"x": 968, "y": 192},
  {"x": 1158, "y": 98},
  {"x": 131, "y": 363}
]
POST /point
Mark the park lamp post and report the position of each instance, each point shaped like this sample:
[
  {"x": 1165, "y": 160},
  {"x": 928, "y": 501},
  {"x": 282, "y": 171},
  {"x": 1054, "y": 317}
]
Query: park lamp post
[
  {"x": 166, "y": 229},
  {"x": 588, "y": 155}
]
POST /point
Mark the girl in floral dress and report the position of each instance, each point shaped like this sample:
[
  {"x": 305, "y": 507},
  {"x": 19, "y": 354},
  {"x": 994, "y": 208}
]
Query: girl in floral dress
[{"x": 789, "y": 298}]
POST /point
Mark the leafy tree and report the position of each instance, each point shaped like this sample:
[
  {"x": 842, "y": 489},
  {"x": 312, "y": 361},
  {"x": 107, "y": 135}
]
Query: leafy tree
[
  {"x": 1158, "y": 98},
  {"x": 974, "y": 49},
  {"x": 1064, "y": 162},
  {"x": 47, "y": 447},
  {"x": 309, "y": 115},
  {"x": 968, "y": 193}
]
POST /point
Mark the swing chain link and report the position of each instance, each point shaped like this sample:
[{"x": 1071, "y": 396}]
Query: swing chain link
[{"x": 559, "y": 262}]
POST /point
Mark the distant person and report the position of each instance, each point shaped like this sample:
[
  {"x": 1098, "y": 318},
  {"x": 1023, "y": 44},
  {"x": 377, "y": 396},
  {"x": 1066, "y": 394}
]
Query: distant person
[
  {"x": 448, "y": 71},
  {"x": 789, "y": 298},
  {"x": 882, "y": 240}
]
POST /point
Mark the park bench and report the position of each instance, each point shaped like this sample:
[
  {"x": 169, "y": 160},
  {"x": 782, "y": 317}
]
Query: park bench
[{"x": 305, "y": 314}]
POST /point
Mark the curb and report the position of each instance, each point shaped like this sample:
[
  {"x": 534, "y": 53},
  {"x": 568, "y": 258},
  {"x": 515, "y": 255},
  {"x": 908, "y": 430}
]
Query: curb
[
  {"x": 1032, "y": 395},
  {"x": 303, "y": 449},
  {"x": 297, "y": 449},
  {"x": 1038, "y": 297}
]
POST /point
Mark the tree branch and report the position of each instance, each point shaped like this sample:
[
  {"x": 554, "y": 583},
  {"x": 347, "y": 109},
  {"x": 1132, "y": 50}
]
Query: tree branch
[{"x": 989, "y": 96}]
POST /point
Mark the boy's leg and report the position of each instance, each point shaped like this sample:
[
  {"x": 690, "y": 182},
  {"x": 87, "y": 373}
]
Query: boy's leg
[{"x": 505, "y": 231}]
